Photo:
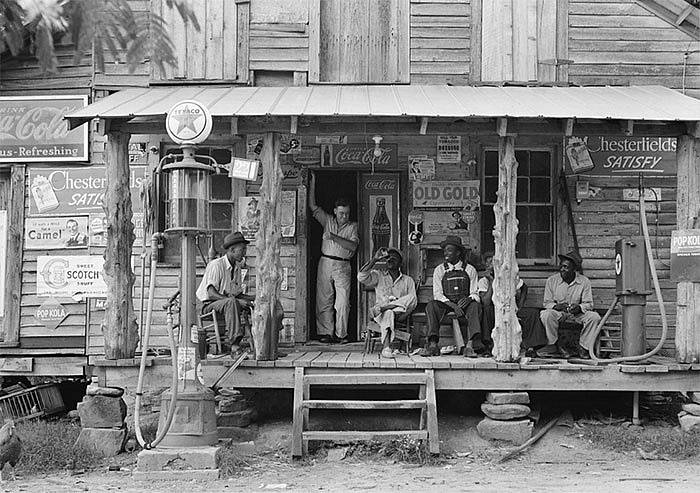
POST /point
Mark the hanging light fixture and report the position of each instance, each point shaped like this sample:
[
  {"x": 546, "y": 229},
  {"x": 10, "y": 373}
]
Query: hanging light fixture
[{"x": 377, "y": 149}]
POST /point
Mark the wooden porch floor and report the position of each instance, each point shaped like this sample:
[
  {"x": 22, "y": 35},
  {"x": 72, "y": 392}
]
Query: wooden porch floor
[{"x": 459, "y": 373}]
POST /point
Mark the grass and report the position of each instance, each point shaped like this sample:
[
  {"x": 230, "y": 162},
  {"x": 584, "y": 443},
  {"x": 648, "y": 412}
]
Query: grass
[
  {"x": 49, "y": 446},
  {"x": 667, "y": 443},
  {"x": 404, "y": 449}
]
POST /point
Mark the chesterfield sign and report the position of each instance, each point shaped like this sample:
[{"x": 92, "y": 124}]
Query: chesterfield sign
[{"x": 32, "y": 129}]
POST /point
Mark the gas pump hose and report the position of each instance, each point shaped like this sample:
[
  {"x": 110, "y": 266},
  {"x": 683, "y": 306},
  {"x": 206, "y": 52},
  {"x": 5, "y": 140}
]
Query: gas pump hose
[
  {"x": 144, "y": 350},
  {"x": 657, "y": 290}
]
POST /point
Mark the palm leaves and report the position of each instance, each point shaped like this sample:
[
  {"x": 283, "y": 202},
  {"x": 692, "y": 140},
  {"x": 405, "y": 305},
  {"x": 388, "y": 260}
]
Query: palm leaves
[{"x": 97, "y": 26}]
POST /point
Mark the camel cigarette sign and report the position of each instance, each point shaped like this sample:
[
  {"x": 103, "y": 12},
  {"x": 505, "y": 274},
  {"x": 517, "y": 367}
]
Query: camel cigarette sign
[
  {"x": 67, "y": 276},
  {"x": 32, "y": 129}
]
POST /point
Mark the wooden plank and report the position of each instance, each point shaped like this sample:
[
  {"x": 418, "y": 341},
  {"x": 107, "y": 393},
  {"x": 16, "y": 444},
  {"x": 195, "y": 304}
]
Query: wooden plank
[
  {"x": 507, "y": 366},
  {"x": 214, "y": 57},
  {"x": 243, "y": 55},
  {"x": 402, "y": 11},
  {"x": 353, "y": 404},
  {"x": 546, "y": 39},
  {"x": 387, "y": 362},
  {"x": 376, "y": 377},
  {"x": 307, "y": 358},
  {"x": 520, "y": 39},
  {"x": 439, "y": 8},
  {"x": 363, "y": 435},
  {"x": 475, "y": 43},
  {"x": 13, "y": 270},
  {"x": 370, "y": 360},
  {"x": 354, "y": 360},
  {"x": 297, "y": 413},
  {"x": 314, "y": 40},
  {"x": 431, "y": 413},
  {"x": 533, "y": 37},
  {"x": 338, "y": 360},
  {"x": 492, "y": 41},
  {"x": 198, "y": 42},
  {"x": 353, "y": 50},
  {"x": 322, "y": 360},
  {"x": 631, "y": 369},
  {"x": 229, "y": 46},
  {"x": 656, "y": 369},
  {"x": 404, "y": 361},
  {"x": 381, "y": 45}
]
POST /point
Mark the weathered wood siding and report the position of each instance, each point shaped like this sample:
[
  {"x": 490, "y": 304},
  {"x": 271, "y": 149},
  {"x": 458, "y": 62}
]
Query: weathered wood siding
[
  {"x": 440, "y": 41},
  {"x": 618, "y": 42},
  {"x": 22, "y": 73}
]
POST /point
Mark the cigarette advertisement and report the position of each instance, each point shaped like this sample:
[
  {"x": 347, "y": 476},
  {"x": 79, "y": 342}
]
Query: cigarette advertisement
[
  {"x": 54, "y": 233},
  {"x": 64, "y": 276},
  {"x": 98, "y": 229},
  {"x": 447, "y": 194}
]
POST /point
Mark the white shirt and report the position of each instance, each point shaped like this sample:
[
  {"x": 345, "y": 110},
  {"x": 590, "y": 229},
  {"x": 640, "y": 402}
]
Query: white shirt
[
  {"x": 439, "y": 273},
  {"x": 330, "y": 224},
  {"x": 400, "y": 291},
  {"x": 223, "y": 276}
]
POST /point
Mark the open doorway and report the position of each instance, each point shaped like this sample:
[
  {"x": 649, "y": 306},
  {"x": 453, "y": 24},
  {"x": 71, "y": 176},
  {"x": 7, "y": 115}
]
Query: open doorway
[{"x": 331, "y": 185}]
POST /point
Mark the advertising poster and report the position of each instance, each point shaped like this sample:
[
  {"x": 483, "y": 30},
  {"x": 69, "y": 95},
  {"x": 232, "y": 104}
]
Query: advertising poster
[
  {"x": 449, "y": 148},
  {"x": 98, "y": 229},
  {"x": 685, "y": 255},
  {"x": 415, "y": 227},
  {"x": 248, "y": 216},
  {"x": 360, "y": 156},
  {"x": 289, "y": 213},
  {"x": 54, "y": 233},
  {"x": 603, "y": 155},
  {"x": 76, "y": 190},
  {"x": 455, "y": 194},
  {"x": 380, "y": 206},
  {"x": 51, "y": 313},
  {"x": 63, "y": 276},
  {"x": 421, "y": 168},
  {"x": 33, "y": 129},
  {"x": 287, "y": 333},
  {"x": 289, "y": 145}
]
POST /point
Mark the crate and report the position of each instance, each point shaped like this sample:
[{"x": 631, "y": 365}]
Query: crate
[{"x": 34, "y": 402}]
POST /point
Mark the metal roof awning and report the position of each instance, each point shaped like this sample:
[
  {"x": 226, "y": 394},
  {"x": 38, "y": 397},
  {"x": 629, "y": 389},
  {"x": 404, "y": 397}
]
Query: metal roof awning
[{"x": 640, "y": 103}]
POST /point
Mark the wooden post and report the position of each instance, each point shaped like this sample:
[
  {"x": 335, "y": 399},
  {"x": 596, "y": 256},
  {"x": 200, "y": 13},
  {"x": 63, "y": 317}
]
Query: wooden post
[
  {"x": 507, "y": 334},
  {"x": 119, "y": 328},
  {"x": 268, "y": 277},
  {"x": 688, "y": 217},
  {"x": 13, "y": 268}
]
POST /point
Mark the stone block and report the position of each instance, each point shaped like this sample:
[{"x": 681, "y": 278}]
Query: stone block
[
  {"x": 226, "y": 392},
  {"x": 689, "y": 422},
  {"x": 107, "y": 442},
  {"x": 508, "y": 398},
  {"x": 516, "y": 432},
  {"x": 233, "y": 405},
  {"x": 695, "y": 397},
  {"x": 105, "y": 391},
  {"x": 237, "y": 418},
  {"x": 505, "y": 412},
  {"x": 693, "y": 409},
  {"x": 97, "y": 411},
  {"x": 238, "y": 433},
  {"x": 178, "y": 459}
]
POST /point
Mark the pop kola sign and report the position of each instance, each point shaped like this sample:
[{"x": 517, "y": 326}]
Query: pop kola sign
[
  {"x": 32, "y": 128},
  {"x": 51, "y": 313},
  {"x": 66, "y": 276},
  {"x": 607, "y": 156}
]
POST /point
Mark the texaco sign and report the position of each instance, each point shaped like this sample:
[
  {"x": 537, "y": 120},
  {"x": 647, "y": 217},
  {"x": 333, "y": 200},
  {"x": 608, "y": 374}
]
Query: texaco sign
[{"x": 188, "y": 122}]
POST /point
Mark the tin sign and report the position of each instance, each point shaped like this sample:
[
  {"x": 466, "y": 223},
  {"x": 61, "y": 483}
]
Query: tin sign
[
  {"x": 685, "y": 255},
  {"x": 51, "y": 313},
  {"x": 604, "y": 155},
  {"x": 188, "y": 122},
  {"x": 447, "y": 194},
  {"x": 55, "y": 233},
  {"x": 32, "y": 129},
  {"x": 68, "y": 275}
]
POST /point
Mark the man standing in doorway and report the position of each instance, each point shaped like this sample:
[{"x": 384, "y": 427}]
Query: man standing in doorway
[{"x": 340, "y": 240}]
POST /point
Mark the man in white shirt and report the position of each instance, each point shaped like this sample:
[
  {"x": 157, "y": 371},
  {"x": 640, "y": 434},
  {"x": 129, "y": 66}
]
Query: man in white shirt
[
  {"x": 340, "y": 240},
  {"x": 455, "y": 290},
  {"x": 395, "y": 294}
]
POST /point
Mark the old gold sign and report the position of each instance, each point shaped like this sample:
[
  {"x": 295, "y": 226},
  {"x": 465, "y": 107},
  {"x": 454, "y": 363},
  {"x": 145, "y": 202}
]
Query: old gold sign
[{"x": 445, "y": 193}]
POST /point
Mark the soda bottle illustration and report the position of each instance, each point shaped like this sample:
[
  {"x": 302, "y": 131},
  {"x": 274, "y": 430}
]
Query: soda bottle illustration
[
  {"x": 381, "y": 227},
  {"x": 43, "y": 194}
]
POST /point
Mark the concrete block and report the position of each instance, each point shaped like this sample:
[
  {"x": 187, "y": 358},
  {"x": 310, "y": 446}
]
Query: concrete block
[
  {"x": 105, "y": 391},
  {"x": 689, "y": 422},
  {"x": 178, "y": 459},
  {"x": 107, "y": 442},
  {"x": 693, "y": 409},
  {"x": 98, "y": 411},
  {"x": 238, "y": 433},
  {"x": 190, "y": 475},
  {"x": 237, "y": 418},
  {"x": 517, "y": 432},
  {"x": 505, "y": 412},
  {"x": 508, "y": 398},
  {"x": 233, "y": 405}
]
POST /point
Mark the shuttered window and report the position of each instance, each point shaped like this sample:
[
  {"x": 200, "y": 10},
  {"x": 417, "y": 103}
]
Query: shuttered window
[
  {"x": 359, "y": 41},
  {"x": 535, "y": 204}
]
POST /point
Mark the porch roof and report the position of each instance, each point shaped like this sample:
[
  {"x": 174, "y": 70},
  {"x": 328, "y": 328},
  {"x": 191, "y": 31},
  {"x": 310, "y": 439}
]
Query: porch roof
[{"x": 641, "y": 103}]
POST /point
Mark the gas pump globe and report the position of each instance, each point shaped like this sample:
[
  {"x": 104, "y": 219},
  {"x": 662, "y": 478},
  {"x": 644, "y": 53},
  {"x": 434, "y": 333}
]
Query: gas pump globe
[{"x": 188, "y": 192}]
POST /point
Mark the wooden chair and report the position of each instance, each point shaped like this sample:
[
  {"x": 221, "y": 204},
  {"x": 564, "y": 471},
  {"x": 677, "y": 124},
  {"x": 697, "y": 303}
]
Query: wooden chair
[
  {"x": 373, "y": 335},
  {"x": 209, "y": 323}
]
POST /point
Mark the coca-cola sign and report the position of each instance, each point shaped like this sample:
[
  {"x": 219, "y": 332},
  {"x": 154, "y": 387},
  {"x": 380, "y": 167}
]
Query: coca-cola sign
[
  {"x": 363, "y": 156},
  {"x": 380, "y": 184},
  {"x": 32, "y": 129}
]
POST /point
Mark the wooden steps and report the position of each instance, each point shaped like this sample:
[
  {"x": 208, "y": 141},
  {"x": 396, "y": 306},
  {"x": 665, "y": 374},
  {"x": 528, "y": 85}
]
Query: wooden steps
[{"x": 424, "y": 380}]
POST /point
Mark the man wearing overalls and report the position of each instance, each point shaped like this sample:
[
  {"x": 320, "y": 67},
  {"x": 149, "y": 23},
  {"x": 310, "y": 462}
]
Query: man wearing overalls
[{"x": 455, "y": 290}]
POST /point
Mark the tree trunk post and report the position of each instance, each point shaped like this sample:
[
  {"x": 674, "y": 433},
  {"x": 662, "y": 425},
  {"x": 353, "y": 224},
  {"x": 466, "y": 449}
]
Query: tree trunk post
[
  {"x": 507, "y": 334},
  {"x": 268, "y": 277},
  {"x": 119, "y": 327},
  {"x": 688, "y": 217}
]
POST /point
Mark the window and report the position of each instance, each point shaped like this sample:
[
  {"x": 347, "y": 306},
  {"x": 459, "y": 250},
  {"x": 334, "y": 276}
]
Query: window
[
  {"x": 535, "y": 204},
  {"x": 221, "y": 205}
]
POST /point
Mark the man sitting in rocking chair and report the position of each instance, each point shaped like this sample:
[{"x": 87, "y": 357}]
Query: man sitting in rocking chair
[{"x": 395, "y": 294}]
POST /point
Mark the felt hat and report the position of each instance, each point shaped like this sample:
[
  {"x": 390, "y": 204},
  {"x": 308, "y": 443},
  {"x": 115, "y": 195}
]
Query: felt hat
[
  {"x": 395, "y": 252},
  {"x": 574, "y": 257},
  {"x": 233, "y": 239},
  {"x": 452, "y": 240}
]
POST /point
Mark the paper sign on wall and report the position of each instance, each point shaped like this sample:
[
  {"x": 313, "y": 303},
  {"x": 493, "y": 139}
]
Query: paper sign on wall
[
  {"x": 421, "y": 168},
  {"x": 449, "y": 148},
  {"x": 65, "y": 275}
]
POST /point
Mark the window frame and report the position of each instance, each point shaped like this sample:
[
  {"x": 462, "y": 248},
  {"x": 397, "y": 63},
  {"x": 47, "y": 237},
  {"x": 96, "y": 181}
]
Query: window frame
[{"x": 556, "y": 223}]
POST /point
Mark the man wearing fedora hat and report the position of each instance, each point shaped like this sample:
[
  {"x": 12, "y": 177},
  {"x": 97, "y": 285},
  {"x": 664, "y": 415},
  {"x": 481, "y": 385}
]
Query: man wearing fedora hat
[
  {"x": 221, "y": 290},
  {"x": 568, "y": 296},
  {"x": 395, "y": 294},
  {"x": 455, "y": 290}
]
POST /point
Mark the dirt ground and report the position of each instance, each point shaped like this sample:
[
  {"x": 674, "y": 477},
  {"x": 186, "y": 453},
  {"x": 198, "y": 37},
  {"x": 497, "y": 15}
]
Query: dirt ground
[{"x": 562, "y": 461}]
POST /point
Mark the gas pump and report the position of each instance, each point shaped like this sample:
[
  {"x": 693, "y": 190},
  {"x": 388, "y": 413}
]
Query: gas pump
[{"x": 632, "y": 283}]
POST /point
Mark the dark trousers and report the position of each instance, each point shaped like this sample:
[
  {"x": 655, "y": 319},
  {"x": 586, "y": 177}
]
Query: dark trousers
[
  {"x": 435, "y": 311},
  {"x": 231, "y": 311},
  {"x": 532, "y": 329}
]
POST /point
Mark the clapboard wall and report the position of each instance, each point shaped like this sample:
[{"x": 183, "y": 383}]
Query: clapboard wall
[{"x": 618, "y": 42}]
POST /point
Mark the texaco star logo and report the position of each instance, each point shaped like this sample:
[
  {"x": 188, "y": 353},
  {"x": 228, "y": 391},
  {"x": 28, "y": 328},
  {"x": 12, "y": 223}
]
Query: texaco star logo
[
  {"x": 188, "y": 122},
  {"x": 618, "y": 264}
]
